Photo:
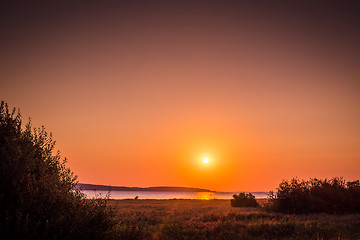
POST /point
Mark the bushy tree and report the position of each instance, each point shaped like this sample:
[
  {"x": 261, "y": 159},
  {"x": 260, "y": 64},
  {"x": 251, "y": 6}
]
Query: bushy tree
[
  {"x": 335, "y": 196},
  {"x": 37, "y": 195},
  {"x": 244, "y": 200}
]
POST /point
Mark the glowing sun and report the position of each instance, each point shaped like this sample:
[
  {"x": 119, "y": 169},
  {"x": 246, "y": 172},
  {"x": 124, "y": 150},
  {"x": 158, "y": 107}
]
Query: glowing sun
[{"x": 206, "y": 160}]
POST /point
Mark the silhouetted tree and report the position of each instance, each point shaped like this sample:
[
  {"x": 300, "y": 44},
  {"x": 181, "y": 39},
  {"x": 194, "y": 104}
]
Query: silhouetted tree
[{"x": 37, "y": 195}]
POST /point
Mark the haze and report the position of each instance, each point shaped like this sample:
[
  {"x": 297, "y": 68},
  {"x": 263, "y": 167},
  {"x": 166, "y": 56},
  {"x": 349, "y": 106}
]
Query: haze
[{"x": 138, "y": 93}]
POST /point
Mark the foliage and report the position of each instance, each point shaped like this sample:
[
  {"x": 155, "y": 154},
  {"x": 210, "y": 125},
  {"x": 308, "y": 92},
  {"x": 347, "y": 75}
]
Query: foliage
[
  {"x": 37, "y": 195},
  {"x": 244, "y": 200},
  {"x": 334, "y": 196}
]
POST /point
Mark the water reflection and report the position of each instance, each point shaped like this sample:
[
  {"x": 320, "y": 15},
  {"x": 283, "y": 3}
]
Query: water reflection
[
  {"x": 168, "y": 195},
  {"x": 205, "y": 195}
]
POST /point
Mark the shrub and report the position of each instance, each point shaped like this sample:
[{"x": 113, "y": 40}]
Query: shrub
[
  {"x": 244, "y": 200},
  {"x": 334, "y": 196},
  {"x": 37, "y": 195}
]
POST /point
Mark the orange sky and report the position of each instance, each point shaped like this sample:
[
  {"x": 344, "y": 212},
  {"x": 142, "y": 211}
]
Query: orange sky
[{"x": 137, "y": 93}]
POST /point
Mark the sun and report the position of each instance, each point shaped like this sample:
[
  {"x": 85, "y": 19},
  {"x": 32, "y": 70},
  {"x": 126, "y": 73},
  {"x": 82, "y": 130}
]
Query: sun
[{"x": 206, "y": 160}]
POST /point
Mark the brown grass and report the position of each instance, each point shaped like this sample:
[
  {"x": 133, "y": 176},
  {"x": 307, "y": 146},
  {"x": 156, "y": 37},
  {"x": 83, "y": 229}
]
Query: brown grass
[{"x": 216, "y": 219}]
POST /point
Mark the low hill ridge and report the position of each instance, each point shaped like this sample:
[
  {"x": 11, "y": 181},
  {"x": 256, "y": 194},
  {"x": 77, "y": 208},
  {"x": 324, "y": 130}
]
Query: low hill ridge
[{"x": 84, "y": 186}]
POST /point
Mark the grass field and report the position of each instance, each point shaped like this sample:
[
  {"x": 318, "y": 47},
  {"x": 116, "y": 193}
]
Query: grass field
[{"x": 216, "y": 219}]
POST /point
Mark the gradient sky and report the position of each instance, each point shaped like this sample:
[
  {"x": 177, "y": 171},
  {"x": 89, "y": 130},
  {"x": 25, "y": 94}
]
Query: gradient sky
[{"x": 137, "y": 92}]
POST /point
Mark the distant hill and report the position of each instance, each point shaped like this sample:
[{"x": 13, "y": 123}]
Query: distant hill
[{"x": 84, "y": 186}]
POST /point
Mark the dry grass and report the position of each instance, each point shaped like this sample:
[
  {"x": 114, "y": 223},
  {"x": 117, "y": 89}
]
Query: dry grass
[{"x": 216, "y": 219}]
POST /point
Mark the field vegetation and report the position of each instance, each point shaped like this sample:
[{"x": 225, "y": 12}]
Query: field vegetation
[{"x": 216, "y": 219}]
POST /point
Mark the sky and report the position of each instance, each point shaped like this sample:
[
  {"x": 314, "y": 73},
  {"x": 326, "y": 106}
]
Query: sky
[{"x": 136, "y": 93}]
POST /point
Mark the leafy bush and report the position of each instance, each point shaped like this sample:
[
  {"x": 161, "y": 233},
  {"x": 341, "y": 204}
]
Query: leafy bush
[
  {"x": 37, "y": 195},
  {"x": 334, "y": 196},
  {"x": 244, "y": 200}
]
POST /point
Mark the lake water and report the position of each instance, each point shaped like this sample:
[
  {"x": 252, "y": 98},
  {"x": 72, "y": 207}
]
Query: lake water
[{"x": 167, "y": 195}]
